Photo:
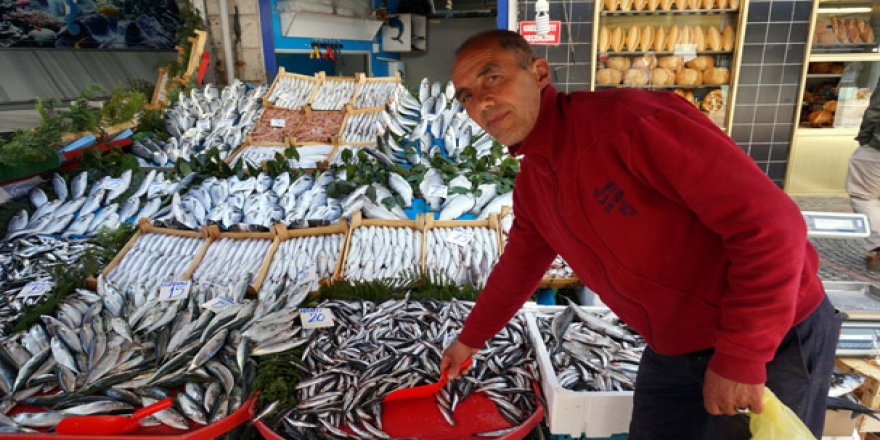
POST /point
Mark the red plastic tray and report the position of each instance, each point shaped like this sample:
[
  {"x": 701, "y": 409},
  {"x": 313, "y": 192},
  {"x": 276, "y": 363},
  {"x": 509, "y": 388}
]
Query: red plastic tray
[
  {"x": 208, "y": 432},
  {"x": 420, "y": 418},
  {"x": 71, "y": 159}
]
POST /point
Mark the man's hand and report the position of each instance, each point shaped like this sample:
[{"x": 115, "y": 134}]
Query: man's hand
[
  {"x": 454, "y": 356},
  {"x": 724, "y": 396}
]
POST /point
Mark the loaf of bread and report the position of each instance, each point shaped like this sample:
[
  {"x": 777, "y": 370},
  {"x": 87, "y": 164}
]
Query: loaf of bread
[
  {"x": 837, "y": 68},
  {"x": 699, "y": 38},
  {"x": 684, "y": 35},
  {"x": 733, "y": 4},
  {"x": 821, "y": 118},
  {"x": 727, "y": 38},
  {"x": 618, "y": 63},
  {"x": 672, "y": 37},
  {"x": 633, "y": 38},
  {"x": 653, "y": 5},
  {"x": 647, "y": 38},
  {"x": 707, "y": 4},
  {"x": 617, "y": 39},
  {"x": 722, "y": 4},
  {"x": 826, "y": 37},
  {"x": 681, "y": 5},
  {"x": 640, "y": 5},
  {"x": 647, "y": 62},
  {"x": 702, "y": 62},
  {"x": 694, "y": 4},
  {"x": 609, "y": 76},
  {"x": 831, "y": 106},
  {"x": 672, "y": 63},
  {"x": 611, "y": 5},
  {"x": 687, "y": 95},
  {"x": 626, "y": 5},
  {"x": 716, "y": 76},
  {"x": 604, "y": 39},
  {"x": 713, "y": 101},
  {"x": 636, "y": 77},
  {"x": 689, "y": 77},
  {"x": 852, "y": 30},
  {"x": 666, "y": 5},
  {"x": 713, "y": 38},
  {"x": 662, "y": 77},
  {"x": 659, "y": 39},
  {"x": 867, "y": 33}
]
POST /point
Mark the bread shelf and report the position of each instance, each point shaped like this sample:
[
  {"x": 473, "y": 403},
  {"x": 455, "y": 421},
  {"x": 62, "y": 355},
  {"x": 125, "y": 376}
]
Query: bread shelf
[
  {"x": 844, "y": 57},
  {"x": 670, "y": 12},
  {"x": 664, "y": 53},
  {"x": 652, "y": 86},
  {"x": 824, "y": 75}
]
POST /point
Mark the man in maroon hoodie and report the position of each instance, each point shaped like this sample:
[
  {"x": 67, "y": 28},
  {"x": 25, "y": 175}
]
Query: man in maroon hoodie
[{"x": 675, "y": 228}]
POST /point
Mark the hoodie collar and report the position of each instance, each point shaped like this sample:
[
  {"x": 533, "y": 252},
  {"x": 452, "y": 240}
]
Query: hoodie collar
[{"x": 542, "y": 133}]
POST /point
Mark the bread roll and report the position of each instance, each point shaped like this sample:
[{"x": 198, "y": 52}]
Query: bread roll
[
  {"x": 672, "y": 38},
  {"x": 662, "y": 77},
  {"x": 687, "y": 95},
  {"x": 646, "y": 62},
  {"x": 722, "y": 4},
  {"x": 831, "y": 106},
  {"x": 839, "y": 27},
  {"x": 626, "y": 5},
  {"x": 707, "y": 4},
  {"x": 617, "y": 39},
  {"x": 653, "y": 5},
  {"x": 659, "y": 39},
  {"x": 636, "y": 77},
  {"x": 689, "y": 77},
  {"x": 666, "y": 5},
  {"x": 681, "y": 5},
  {"x": 716, "y": 76},
  {"x": 633, "y": 38},
  {"x": 699, "y": 38},
  {"x": 821, "y": 118},
  {"x": 826, "y": 37},
  {"x": 672, "y": 63},
  {"x": 852, "y": 30},
  {"x": 702, "y": 62},
  {"x": 713, "y": 38},
  {"x": 640, "y": 5},
  {"x": 727, "y": 38},
  {"x": 604, "y": 39},
  {"x": 837, "y": 68},
  {"x": 713, "y": 101},
  {"x": 647, "y": 38},
  {"x": 694, "y": 4},
  {"x": 618, "y": 63},
  {"x": 611, "y": 5},
  {"x": 684, "y": 35},
  {"x": 609, "y": 76},
  {"x": 733, "y": 4},
  {"x": 868, "y": 35},
  {"x": 835, "y": 24}
]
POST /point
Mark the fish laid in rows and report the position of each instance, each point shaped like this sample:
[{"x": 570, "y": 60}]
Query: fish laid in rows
[
  {"x": 291, "y": 93},
  {"x": 231, "y": 259},
  {"x": 361, "y": 127},
  {"x": 154, "y": 259},
  {"x": 378, "y": 252},
  {"x": 591, "y": 352},
  {"x": 375, "y": 94},
  {"x": 464, "y": 256},
  {"x": 303, "y": 259},
  {"x": 309, "y": 156},
  {"x": 376, "y": 348},
  {"x": 333, "y": 94}
]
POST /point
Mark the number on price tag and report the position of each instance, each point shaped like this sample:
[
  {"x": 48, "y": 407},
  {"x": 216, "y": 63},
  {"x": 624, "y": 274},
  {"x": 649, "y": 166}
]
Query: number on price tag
[
  {"x": 278, "y": 123},
  {"x": 307, "y": 275},
  {"x": 438, "y": 191},
  {"x": 174, "y": 290},
  {"x": 688, "y": 51},
  {"x": 461, "y": 237},
  {"x": 204, "y": 124},
  {"x": 35, "y": 289},
  {"x": 316, "y": 318},
  {"x": 218, "y": 304}
]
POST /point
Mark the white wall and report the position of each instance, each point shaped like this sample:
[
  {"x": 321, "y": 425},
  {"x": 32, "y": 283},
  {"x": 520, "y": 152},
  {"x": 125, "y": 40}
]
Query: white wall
[{"x": 444, "y": 36}]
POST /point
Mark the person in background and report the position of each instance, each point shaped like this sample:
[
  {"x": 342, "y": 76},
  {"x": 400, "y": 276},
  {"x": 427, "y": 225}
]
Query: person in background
[
  {"x": 674, "y": 227},
  {"x": 863, "y": 178}
]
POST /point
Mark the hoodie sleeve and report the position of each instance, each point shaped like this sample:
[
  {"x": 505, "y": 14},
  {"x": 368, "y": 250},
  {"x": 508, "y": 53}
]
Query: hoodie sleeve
[
  {"x": 513, "y": 280},
  {"x": 762, "y": 230}
]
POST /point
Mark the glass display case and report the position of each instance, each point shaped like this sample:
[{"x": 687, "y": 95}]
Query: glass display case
[
  {"x": 841, "y": 72},
  {"x": 691, "y": 47}
]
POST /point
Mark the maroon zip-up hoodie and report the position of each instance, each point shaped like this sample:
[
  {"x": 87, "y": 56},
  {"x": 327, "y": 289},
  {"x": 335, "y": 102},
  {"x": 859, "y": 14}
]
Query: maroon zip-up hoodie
[{"x": 666, "y": 218}]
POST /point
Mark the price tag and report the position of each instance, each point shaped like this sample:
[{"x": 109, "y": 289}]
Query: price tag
[
  {"x": 278, "y": 123},
  {"x": 316, "y": 318},
  {"x": 287, "y": 96},
  {"x": 225, "y": 123},
  {"x": 461, "y": 237},
  {"x": 204, "y": 124},
  {"x": 219, "y": 303},
  {"x": 438, "y": 191},
  {"x": 174, "y": 290},
  {"x": 688, "y": 51},
  {"x": 35, "y": 289},
  {"x": 307, "y": 275}
]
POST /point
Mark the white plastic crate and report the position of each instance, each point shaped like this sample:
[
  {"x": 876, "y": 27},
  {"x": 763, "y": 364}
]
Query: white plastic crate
[{"x": 572, "y": 413}]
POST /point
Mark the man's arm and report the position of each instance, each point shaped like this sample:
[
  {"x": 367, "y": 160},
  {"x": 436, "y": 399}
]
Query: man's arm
[{"x": 871, "y": 118}]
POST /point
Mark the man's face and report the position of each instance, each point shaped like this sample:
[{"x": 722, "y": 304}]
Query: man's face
[{"x": 498, "y": 93}]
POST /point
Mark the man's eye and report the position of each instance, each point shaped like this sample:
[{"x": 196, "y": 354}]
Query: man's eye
[
  {"x": 493, "y": 78},
  {"x": 464, "y": 99}
]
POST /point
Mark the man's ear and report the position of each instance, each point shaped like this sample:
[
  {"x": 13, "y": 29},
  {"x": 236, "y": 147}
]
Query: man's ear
[{"x": 541, "y": 69}]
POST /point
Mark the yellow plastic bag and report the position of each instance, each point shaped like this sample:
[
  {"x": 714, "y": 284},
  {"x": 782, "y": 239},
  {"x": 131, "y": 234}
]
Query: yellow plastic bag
[{"x": 777, "y": 422}]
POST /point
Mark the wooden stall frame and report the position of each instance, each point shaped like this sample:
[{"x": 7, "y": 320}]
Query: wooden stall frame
[
  {"x": 326, "y": 79},
  {"x": 363, "y": 80},
  {"x": 491, "y": 223},
  {"x": 284, "y": 74},
  {"x": 349, "y": 112},
  {"x": 342, "y": 227},
  {"x": 213, "y": 231},
  {"x": 144, "y": 228}
]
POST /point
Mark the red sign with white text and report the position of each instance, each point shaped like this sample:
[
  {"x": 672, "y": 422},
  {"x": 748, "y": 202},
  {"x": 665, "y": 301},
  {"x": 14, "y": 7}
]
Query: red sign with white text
[{"x": 529, "y": 31}]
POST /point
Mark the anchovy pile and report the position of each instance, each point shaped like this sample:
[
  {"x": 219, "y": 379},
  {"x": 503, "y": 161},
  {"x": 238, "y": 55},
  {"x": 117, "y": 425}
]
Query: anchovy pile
[
  {"x": 375, "y": 94},
  {"x": 154, "y": 258},
  {"x": 309, "y": 156},
  {"x": 259, "y": 201},
  {"x": 291, "y": 92},
  {"x": 465, "y": 256},
  {"x": 206, "y": 119},
  {"x": 303, "y": 258},
  {"x": 361, "y": 127},
  {"x": 231, "y": 259},
  {"x": 377, "y": 348},
  {"x": 80, "y": 211},
  {"x": 107, "y": 355},
  {"x": 29, "y": 259},
  {"x": 334, "y": 94},
  {"x": 378, "y": 252},
  {"x": 596, "y": 353}
]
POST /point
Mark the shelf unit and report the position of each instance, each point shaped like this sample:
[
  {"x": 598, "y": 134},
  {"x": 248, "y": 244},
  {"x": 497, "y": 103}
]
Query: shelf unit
[
  {"x": 690, "y": 17},
  {"x": 840, "y": 65}
]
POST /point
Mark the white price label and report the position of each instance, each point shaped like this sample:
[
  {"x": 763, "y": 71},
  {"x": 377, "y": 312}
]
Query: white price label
[
  {"x": 316, "y": 318},
  {"x": 461, "y": 237},
  {"x": 204, "y": 124},
  {"x": 278, "y": 123},
  {"x": 219, "y": 303},
  {"x": 174, "y": 290},
  {"x": 35, "y": 289},
  {"x": 287, "y": 96},
  {"x": 307, "y": 275},
  {"x": 438, "y": 191},
  {"x": 688, "y": 51},
  {"x": 225, "y": 123}
]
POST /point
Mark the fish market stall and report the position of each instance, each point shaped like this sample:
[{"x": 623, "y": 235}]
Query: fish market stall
[
  {"x": 313, "y": 254},
  {"x": 379, "y": 249}
]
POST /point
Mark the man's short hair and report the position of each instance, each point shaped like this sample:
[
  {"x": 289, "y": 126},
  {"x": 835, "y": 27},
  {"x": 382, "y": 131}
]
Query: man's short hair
[{"x": 507, "y": 40}]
